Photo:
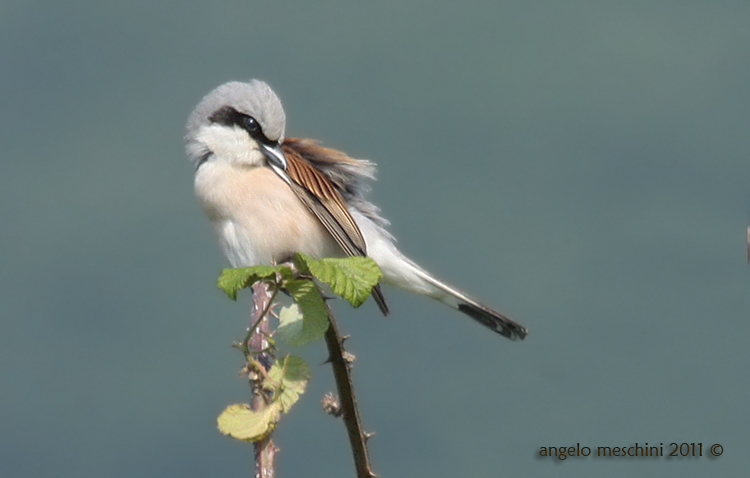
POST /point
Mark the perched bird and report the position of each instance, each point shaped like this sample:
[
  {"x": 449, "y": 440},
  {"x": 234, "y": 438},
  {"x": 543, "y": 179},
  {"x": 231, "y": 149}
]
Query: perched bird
[{"x": 269, "y": 196}]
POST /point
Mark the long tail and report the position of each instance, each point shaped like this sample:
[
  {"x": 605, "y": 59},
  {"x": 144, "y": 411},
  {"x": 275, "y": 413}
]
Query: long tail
[
  {"x": 492, "y": 319},
  {"x": 400, "y": 271},
  {"x": 486, "y": 316},
  {"x": 407, "y": 275}
]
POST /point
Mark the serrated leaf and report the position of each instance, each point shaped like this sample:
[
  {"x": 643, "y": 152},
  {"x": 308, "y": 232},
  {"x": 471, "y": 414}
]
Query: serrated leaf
[
  {"x": 232, "y": 280},
  {"x": 292, "y": 374},
  {"x": 351, "y": 278},
  {"x": 307, "y": 296},
  {"x": 242, "y": 423},
  {"x": 296, "y": 329}
]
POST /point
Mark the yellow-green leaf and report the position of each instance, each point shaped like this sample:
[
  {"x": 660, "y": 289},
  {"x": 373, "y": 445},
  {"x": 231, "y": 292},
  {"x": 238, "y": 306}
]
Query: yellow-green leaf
[
  {"x": 292, "y": 375},
  {"x": 232, "y": 280},
  {"x": 242, "y": 423},
  {"x": 351, "y": 278},
  {"x": 297, "y": 329},
  {"x": 307, "y": 296}
]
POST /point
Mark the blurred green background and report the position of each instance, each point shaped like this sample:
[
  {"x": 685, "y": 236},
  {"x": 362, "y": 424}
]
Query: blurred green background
[{"x": 581, "y": 165}]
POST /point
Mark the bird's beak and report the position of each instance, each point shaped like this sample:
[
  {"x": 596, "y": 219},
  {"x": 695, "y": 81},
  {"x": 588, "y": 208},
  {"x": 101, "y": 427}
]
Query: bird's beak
[{"x": 274, "y": 154}]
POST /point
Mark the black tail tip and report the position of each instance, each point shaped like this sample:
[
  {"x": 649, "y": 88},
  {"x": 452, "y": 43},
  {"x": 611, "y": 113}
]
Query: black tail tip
[{"x": 494, "y": 321}]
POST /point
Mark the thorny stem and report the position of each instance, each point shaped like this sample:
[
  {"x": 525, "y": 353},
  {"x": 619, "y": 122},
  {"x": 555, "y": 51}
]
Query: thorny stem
[
  {"x": 350, "y": 413},
  {"x": 257, "y": 337}
]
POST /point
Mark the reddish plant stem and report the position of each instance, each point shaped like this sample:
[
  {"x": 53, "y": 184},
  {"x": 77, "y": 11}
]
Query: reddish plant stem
[{"x": 265, "y": 450}]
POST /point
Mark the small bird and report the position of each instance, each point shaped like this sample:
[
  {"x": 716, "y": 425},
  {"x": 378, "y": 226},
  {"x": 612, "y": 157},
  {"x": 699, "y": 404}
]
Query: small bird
[{"x": 269, "y": 196}]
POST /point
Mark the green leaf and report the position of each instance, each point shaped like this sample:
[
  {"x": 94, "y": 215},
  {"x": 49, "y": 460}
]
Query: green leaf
[
  {"x": 232, "y": 280},
  {"x": 292, "y": 375},
  {"x": 296, "y": 329},
  {"x": 242, "y": 423},
  {"x": 351, "y": 278},
  {"x": 307, "y": 296},
  {"x": 300, "y": 262}
]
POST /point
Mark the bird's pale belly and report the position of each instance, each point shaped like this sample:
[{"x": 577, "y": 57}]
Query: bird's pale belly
[{"x": 258, "y": 218}]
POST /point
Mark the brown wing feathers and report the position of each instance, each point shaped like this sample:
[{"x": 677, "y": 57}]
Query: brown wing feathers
[{"x": 321, "y": 197}]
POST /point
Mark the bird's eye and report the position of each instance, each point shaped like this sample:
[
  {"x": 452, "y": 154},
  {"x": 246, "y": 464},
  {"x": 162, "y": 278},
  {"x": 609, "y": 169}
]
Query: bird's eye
[{"x": 251, "y": 124}]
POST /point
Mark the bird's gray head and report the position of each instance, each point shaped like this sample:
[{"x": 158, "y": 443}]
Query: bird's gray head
[{"x": 251, "y": 109}]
